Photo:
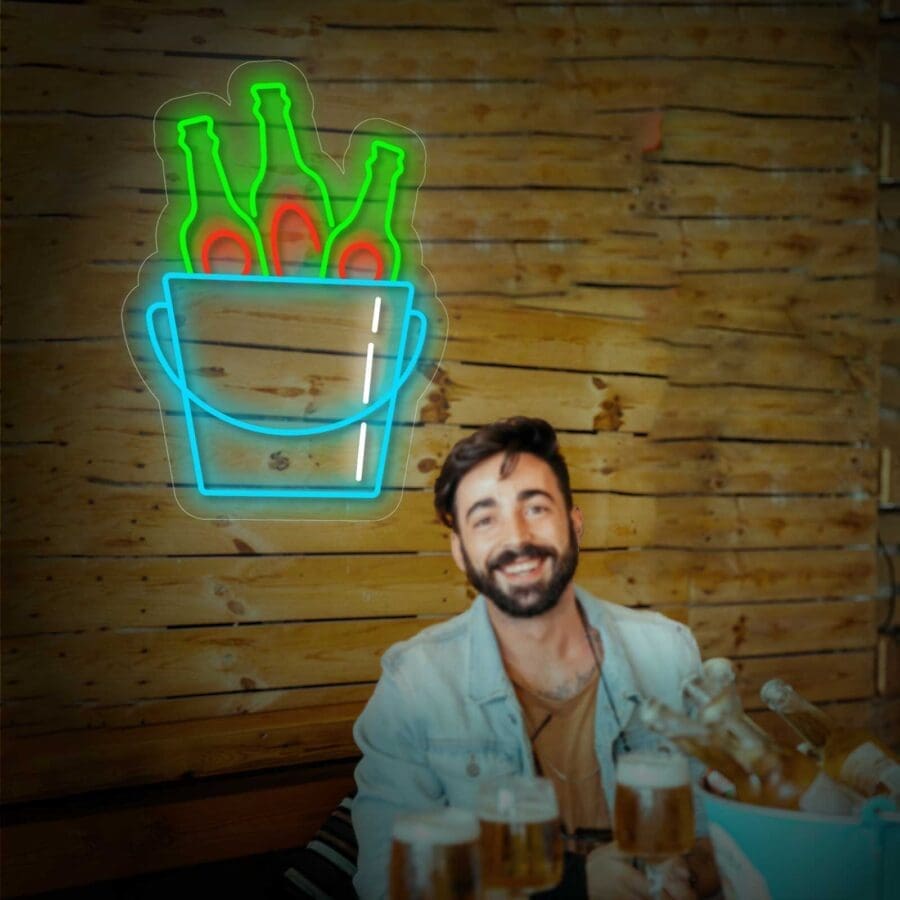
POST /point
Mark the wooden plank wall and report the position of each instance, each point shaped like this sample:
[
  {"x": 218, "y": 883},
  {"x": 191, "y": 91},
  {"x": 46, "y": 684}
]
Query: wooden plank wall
[
  {"x": 652, "y": 223},
  {"x": 888, "y": 672}
]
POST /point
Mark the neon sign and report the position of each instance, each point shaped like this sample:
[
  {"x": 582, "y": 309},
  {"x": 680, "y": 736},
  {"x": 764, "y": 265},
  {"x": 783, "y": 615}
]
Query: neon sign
[{"x": 283, "y": 319}]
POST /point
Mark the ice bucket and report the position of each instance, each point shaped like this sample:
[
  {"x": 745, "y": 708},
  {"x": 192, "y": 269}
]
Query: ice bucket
[{"x": 766, "y": 853}]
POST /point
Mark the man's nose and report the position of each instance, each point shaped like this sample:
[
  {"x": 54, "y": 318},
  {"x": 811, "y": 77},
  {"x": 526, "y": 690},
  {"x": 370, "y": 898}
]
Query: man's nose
[{"x": 519, "y": 531}]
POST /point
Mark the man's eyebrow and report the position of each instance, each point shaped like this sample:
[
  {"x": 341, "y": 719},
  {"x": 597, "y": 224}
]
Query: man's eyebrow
[
  {"x": 534, "y": 492},
  {"x": 521, "y": 497},
  {"x": 479, "y": 504}
]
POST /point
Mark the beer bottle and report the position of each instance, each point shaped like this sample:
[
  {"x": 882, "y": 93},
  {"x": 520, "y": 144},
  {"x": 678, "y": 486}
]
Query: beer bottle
[
  {"x": 288, "y": 199},
  {"x": 215, "y": 233},
  {"x": 725, "y": 774},
  {"x": 364, "y": 244},
  {"x": 787, "y": 779},
  {"x": 713, "y": 691},
  {"x": 853, "y": 756}
]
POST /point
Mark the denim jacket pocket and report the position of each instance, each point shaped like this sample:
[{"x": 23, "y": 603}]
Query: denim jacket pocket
[{"x": 462, "y": 766}]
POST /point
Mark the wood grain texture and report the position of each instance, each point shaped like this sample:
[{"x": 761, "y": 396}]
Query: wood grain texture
[
  {"x": 106, "y": 757},
  {"x": 169, "y": 829},
  {"x": 655, "y": 225}
]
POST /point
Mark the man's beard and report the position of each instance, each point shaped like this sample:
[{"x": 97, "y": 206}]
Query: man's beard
[{"x": 526, "y": 601}]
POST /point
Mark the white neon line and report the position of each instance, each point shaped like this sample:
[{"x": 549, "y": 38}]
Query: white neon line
[
  {"x": 361, "y": 452},
  {"x": 367, "y": 385},
  {"x": 375, "y": 314}
]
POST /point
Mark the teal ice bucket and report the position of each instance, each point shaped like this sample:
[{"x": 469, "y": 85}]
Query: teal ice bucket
[{"x": 773, "y": 854}]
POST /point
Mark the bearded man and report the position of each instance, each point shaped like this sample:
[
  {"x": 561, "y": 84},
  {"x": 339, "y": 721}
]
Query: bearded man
[{"x": 536, "y": 676}]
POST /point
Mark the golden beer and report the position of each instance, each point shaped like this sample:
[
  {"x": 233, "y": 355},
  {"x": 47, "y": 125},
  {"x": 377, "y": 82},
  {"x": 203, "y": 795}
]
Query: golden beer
[
  {"x": 521, "y": 856},
  {"x": 521, "y": 841},
  {"x": 654, "y": 807},
  {"x": 435, "y": 856}
]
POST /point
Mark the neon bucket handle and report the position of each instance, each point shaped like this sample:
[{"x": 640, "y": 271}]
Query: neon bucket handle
[{"x": 305, "y": 431}]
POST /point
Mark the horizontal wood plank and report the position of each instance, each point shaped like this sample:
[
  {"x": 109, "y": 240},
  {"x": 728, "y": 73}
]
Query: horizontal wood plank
[
  {"x": 464, "y": 162},
  {"x": 673, "y": 189},
  {"x": 42, "y": 595},
  {"x": 112, "y": 667},
  {"x": 754, "y": 87},
  {"x": 132, "y": 450},
  {"x": 819, "y": 677},
  {"x": 257, "y": 740},
  {"x": 760, "y": 301},
  {"x": 718, "y": 137},
  {"x": 820, "y": 249},
  {"x": 109, "y": 667},
  {"x": 823, "y": 35},
  {"x": 143, "y": 519},
  {"x": 69, "y": 847},
  {"x": 93, "y": 380},
  {"x": 735, "y": 631},
  {"x": 66, "y": 763},
  {"x": 773, "y": 302}
]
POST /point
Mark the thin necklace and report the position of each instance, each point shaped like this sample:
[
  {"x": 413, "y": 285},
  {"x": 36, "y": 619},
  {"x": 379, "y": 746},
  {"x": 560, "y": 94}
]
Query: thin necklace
[{"x": 596, "y": 645}]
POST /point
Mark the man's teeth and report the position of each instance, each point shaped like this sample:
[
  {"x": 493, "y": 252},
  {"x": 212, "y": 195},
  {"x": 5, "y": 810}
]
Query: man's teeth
[{"x": 522, "y": 567}]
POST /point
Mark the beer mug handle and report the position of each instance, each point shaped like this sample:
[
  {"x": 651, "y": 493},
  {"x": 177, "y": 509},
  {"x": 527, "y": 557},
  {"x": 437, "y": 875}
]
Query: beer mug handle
[{"x": 306, "y": 431}]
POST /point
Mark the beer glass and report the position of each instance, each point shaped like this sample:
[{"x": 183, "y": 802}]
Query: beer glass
[
  {"x": 435, "y": 856},
  {"x": 654, "y": 811},
  {"x": 521, "y": 841}
]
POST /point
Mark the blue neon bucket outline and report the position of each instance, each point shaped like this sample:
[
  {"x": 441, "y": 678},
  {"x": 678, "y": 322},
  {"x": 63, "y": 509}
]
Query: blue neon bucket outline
[{"x": 189, "y": 398}]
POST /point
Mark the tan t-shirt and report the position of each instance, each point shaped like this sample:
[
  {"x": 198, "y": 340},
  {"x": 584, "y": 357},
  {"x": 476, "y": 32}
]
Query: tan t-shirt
[{"x": 563, "y": 747}]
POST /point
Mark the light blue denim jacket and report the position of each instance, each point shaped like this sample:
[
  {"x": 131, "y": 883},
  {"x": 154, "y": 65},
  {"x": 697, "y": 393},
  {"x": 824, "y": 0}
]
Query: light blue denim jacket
[{"x": 444, "y": 716}]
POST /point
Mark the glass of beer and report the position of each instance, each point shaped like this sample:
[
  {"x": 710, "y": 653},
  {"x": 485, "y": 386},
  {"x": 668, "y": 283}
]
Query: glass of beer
[
  {"x": 654, "y": 811},
  {"x": 435, "y": 856},
  {"x": 521, "y": 841}
]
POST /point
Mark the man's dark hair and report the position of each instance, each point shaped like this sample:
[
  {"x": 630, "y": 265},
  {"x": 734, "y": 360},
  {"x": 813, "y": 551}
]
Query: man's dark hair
[{"x": 510, "y": 437}]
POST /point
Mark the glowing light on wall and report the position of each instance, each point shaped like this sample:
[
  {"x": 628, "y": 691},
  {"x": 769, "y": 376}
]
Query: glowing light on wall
[{"x": 273, "y": 293}]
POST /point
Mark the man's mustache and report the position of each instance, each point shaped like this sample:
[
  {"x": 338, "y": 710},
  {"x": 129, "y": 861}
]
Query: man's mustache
[{"x": 515, "y": 554}]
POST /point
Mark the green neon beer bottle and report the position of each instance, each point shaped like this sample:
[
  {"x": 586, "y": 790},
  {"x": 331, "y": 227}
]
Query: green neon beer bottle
[
  {"x": 365, "y": 245},
  {"x": 288, "y": 199},
  {"x": 216, "y": 235}
]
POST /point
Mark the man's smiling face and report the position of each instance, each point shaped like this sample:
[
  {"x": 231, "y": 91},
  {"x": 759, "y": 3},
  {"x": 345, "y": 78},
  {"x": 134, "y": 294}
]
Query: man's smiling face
[{"x": 515, "y": 539}]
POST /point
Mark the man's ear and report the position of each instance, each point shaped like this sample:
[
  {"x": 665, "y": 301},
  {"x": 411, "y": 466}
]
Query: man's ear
[
  {"x": 456, "y": 550},
  {"x": 577, "y": 523}
]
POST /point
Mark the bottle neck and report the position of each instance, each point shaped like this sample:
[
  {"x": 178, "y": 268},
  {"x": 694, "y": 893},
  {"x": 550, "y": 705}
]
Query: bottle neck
[
  {"x": 754, "y": 752},
  {"x": 813, "y": 724},
  {"x": 718, "y": 674},
  {"x": 375, "y": 202},
  {"x": 712, "y": 702},
  {"x": 697, "y": 740},
  {"x": 277, "y": 135},
  {"x": 205, "y": 173},
  {"x": 666, "y": 721}
]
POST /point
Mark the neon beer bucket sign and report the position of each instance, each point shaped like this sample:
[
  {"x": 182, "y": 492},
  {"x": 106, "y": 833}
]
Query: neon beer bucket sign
[{"x": 283, "y": 320}]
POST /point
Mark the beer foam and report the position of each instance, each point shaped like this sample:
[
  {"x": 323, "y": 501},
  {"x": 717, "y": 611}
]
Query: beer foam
[
  {"x": 436, "y": 826},
  {"x": 652, "y": 770},
  {"x": 519, "y": 799},
  {"x": 522, "y": 812}
]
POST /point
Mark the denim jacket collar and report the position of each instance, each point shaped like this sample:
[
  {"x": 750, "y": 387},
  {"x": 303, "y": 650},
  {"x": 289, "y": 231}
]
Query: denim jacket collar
[
  {"x": 618, "y": 674},
  {"x": 487, "y": 676}
]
